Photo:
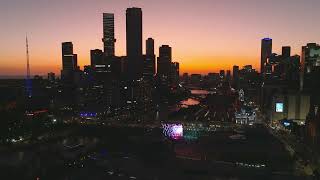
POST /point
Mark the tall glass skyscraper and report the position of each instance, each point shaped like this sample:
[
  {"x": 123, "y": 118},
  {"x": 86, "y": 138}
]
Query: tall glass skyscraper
[
  {"x": 266, "y": 51},
  {"x": 134, "y": 31},
  {"x": 134, "y": 42},
  {"x": 108, "y": 34}
]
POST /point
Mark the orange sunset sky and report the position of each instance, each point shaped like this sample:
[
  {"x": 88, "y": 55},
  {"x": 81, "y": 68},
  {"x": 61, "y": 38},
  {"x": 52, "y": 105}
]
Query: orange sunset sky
[{"x": 206, "y": 35}]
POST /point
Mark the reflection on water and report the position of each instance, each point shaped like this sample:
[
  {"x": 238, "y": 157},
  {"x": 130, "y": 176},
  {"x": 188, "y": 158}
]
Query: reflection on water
[
  {"x": 199, "y": 92},
  {"x": 189, "y": 102}
]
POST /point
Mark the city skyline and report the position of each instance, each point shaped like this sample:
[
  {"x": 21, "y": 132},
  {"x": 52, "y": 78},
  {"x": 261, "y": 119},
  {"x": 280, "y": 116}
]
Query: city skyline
[
  {"x": 159, "y": 89},
  {"x": 210, "y": 56}
]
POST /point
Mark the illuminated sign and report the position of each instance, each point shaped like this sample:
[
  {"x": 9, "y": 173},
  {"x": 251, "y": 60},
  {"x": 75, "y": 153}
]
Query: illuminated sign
[
  {"x": 279, "y": 107},
  {"x": 173, "y": 131},
  {"x": 286, "y": 124}
]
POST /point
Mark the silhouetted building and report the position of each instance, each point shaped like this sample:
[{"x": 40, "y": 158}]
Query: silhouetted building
[
  {"x": 228, "y": 75},
  {"x": 96, "y": 57},
  {"x": 75, "y": 62},
  {"x": 274, "y": 59},
  {"x": 236, "y": 81},
  {"x": 150, "y": 47},
  {"x": 164, "y": 61},
  {"x": 69, "y": 62},
  {"x": 248, "y": 68},
  {"x": 213, "y": 79},
  {"x": 108, "y": 34},
  {"x": 51, "y": 76},
  {"x": 222, "y": 74},
  {"x": 292, "y": 69},
  {"x": 175, "y": 73},
  {"x": 185, "y": 78},
  {"x": 134, "y": 42},
  {"x": 268, "y": 70},
  {"x": 286, "y": 51},
  {"x": 195, "y": 79},
  {"x": 149, "y": 59},
  {"x": 266, "y": 50}
]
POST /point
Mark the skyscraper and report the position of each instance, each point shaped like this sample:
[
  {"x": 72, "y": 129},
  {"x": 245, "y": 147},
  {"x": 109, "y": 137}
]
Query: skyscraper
[
  {"x": 67, "y": 56},
  {"x": 228, "y": 75},
  {"x": 96, "y": 57},
  {"x": 175, "y": 73},
  {"x": 134, "y": 42},
  {"x": 67, "y": 48},
  {"x": 69, "y": 61},
  {"x": 149, "y": 60},
  {"x": 108, "y": 34},
  {"x": 235, "y": 74},
  {"x": 134, "y": 31},
  {"x": 310, "y": 61},
  {"x": 266, "y": 51},
  {"x": 150, "y": 47},
  {"x": 286, "y": 51},
  {"x": 164, "y": 61}
]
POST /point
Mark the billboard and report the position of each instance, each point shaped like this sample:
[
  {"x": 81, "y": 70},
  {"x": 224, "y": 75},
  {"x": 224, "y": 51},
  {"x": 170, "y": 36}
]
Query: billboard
[{"x": 279, "y": 107}]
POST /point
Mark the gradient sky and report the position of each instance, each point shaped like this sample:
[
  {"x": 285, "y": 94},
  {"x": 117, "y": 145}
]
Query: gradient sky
[{"x": 206, "y": 35}]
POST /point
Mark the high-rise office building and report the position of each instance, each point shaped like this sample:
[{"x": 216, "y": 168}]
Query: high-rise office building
[
  {"x": 108, "y": 34},
  {"x": 67, "y": 48},
  {"x": 266, "y": 51},
  {"x": 235, "y": 74},
  {"x": 310, "y": 57},
  {"x": 164, "y": 61},
  {"x": 134, "y": 31},
  {"x": 185, "y": 78},
  {"x": 149, "y": 59},
  {"x": 228, "y": 75},
  {"x": 96, "y": 57},
  {"x": 75, "y": 62},
  {"x": 69, "y": 61},
  {"x": 292, "y": 69},
  {"x": 310, "y": 61},
  {"x": 286, "y": 51},
  {"x": 150, "y": 47},
  {"x": 175, "y": 66},
  {"x": 134, "y": 42},
  {"x": 165, "y": 51}
]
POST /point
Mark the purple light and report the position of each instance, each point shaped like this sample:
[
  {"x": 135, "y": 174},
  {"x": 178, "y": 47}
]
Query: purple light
[
  {"x": 177, "y": 130},
  {"x": 173, "y": 131},
  {"x": 267, "y": 39},
  {"x": 88, "y": 114}
]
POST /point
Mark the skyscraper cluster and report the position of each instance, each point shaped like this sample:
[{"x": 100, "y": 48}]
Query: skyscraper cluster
[{"x": 124, "y": 79}]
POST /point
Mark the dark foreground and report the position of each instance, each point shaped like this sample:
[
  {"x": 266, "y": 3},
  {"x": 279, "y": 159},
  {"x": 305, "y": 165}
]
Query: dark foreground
[{"x": 138, "y": 153}]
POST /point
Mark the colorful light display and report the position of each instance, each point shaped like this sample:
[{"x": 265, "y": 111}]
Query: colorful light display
[{"x": 173, "y": 131}]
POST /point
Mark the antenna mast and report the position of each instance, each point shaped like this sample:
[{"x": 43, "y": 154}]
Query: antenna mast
[
  {"x": 28, "y": 65},
  {"x": 28, "y": 80}
]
